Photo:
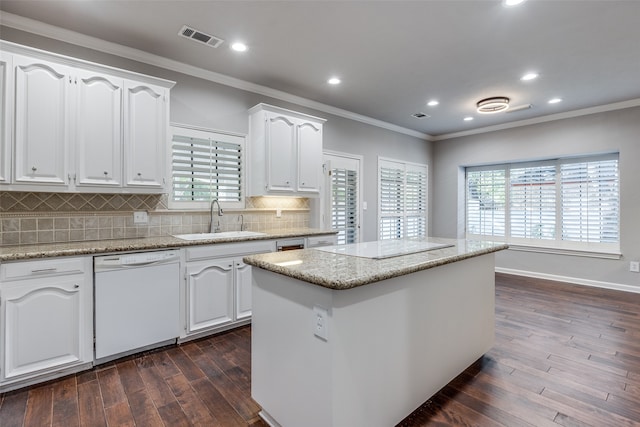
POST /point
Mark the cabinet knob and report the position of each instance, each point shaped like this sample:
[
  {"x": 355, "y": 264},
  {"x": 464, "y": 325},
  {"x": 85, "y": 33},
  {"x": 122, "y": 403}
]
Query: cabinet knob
[
  {"x": 33, "y": 168},
  {"x": 303, "y": 183},
  {"x": 139, "y": 175},
  {"x": 76, "y": 286},
  {"x": 105, "y": 173}
]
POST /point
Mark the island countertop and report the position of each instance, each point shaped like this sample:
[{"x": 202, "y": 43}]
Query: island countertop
[{"x": 339, "y": 271}]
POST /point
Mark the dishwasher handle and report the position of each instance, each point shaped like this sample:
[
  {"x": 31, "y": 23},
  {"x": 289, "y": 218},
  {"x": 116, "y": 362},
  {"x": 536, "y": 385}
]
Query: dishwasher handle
[{"x": 116, "y": 262}]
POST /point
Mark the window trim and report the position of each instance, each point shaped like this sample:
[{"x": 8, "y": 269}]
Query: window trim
[
  {"x": 225, "y": 136},
  {"x": 555, "y": 246}
]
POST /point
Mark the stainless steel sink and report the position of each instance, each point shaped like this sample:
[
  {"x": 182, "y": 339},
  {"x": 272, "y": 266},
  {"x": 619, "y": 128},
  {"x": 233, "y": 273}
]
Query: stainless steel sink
[{"x": 222, "y": 235}]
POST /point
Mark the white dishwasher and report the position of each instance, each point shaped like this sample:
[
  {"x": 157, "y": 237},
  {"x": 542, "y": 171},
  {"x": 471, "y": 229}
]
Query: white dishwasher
[{"x": 137, "y": 302}]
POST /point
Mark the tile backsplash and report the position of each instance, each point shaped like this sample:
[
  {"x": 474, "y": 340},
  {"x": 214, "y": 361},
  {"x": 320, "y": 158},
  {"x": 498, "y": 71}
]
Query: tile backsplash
[{"x": 30, "y": 218}]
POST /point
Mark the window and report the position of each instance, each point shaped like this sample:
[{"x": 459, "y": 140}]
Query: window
[
  {"x": 402, "y": 196},
  {"x": 344, "y": 204},
  {"x": 570, "y": 203},
  {"x": 205, "y": 165}
]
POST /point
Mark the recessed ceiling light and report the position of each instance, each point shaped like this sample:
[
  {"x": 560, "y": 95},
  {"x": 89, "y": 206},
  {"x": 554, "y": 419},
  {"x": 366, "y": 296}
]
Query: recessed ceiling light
[
  {"x": 529, "y": 76},
  {"x": 239, "y": 46},
  {"x": 334, "y": 81},
  {"x": 555, "y": 100},
  {"x": 432, "y": 103},
  {"x": 468, "y": 119},
  {"x": 509, "y": 3}
]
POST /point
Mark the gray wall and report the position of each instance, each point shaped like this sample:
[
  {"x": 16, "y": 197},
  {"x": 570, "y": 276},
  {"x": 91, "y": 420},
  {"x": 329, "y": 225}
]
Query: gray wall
[
  {"x": 202, "y": 103},
  {"x": 596, "y": 133}
]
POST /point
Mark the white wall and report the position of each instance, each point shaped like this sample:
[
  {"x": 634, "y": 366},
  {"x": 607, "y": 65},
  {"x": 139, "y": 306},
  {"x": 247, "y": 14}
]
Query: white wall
[
  {"x": 202, "y": 103},
  {"x": 603, "y": 132}
]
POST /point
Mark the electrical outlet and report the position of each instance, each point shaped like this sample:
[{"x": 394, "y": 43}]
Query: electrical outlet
[
  {"x": 278, "y": 213},
  {"x": 140, "y": 217},
  {"x": 321, "y": 323},
  {"x": 634, "y": 266}
]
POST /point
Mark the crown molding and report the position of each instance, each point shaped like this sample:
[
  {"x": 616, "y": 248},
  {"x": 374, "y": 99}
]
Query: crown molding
[
  {"x": 543, "y": 119},
  {"x": 50, "y": 31}
]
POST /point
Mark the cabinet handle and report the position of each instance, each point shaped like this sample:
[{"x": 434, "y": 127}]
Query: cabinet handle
[
  {"x": 69, "y": 178},
  {"x": 44, "y": 270}
]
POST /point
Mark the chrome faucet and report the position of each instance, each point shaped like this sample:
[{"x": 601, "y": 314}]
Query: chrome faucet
[{"x": 216, "y": 228}]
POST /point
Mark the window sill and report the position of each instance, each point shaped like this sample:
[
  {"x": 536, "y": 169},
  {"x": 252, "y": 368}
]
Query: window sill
[{"x": 567, "y": 251}]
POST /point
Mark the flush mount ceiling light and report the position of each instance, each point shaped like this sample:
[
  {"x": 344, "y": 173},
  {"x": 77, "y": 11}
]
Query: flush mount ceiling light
[{"x": 492, "y": 105}]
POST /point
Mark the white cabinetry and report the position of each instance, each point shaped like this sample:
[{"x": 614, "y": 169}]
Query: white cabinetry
[
  {"x": 46, "y": 319},
  {"x": 146, "y": 118},
  {"x": 218, "y": 286},
  {"x": 285, "y": 152},
  {"x": 318, "y": 241},
  {"x": 98, "y": 130},
  {"x": 42, "y": 121},
  {"x": 82, "y": 127},
  {"x": 6, "y": 115}
]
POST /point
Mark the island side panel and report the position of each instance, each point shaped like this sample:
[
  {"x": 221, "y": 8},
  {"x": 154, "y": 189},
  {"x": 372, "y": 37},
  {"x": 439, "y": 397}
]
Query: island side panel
[
  {"x": 290, "y": 366},
  {"x": 392, "y": 344},
  {"x": 397, "y": 342}
]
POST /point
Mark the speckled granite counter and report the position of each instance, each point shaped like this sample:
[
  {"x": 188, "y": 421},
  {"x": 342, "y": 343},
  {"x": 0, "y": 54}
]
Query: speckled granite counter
[
  {"x": 14, "y": 253},
  {"x": 337, "y": 271}
]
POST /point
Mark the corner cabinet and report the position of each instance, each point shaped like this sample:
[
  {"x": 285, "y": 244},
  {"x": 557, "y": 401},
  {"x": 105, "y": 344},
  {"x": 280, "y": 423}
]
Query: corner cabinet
[
  {"x": 285, "y": 152},
  {"x": 217, "y": 286},
  {"x": 46, "y": 319},
  {"x": 75, "y": 126}
]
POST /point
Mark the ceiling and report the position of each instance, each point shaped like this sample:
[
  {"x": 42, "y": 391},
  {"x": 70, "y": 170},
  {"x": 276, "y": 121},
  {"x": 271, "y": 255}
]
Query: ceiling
[{"x": 392, "y": 56}]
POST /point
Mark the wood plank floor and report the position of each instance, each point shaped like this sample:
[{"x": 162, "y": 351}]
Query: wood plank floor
[{"x": 565, "y": 355}]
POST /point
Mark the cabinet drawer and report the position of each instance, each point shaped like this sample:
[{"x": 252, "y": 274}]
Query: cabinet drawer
[
  {"x": 317, "y": 241},
  {"x": 229, "y": 249},
  {"x": 42, "y": 268}
]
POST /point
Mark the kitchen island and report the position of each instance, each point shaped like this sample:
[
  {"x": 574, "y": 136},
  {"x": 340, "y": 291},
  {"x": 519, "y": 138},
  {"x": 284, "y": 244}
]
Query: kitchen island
[{"x": 363, "y": 336}]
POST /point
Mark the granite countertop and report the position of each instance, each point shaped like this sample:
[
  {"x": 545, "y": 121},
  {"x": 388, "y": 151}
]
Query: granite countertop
[
  {"x": 24, "y": 252},
  {"x": 338, "y": 271}
]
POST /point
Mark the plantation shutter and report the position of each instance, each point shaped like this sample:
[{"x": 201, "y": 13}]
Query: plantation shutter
[
  {"x": 486, "y": 202},
  {"x": 532, "y": 199},
  {"x": 402, "y": 200},
  {"x": 344, "y": 212},
  {"x": 590, "y": 201},
  {"x": 206, "y": 168}
]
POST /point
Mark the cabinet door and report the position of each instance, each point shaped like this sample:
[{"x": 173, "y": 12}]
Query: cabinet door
[
  {"x": 42, "y": 325},
  {"x": 280, "y": 136},
  {"x": 243, "y": 290},
  {"x": 41, "y": 121},
  {"x": 98, "y": 142},
  {"x": 145, "y": 132},
  {"x": 309, "y": 157},
  {"x": 6, "y": 113},
  {"x": 210, "y": 294}
]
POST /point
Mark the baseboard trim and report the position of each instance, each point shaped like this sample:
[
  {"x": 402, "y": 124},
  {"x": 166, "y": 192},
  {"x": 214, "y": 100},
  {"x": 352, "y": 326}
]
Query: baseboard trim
[{"x": 574, "y": 280}]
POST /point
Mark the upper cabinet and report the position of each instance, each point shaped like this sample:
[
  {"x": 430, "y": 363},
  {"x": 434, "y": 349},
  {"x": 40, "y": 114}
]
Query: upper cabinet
[
  {"x": 145, "y": 124},
  {"x": 79, "y": 126},
  {"x": 6, "y": 115},
  {"x": 285, "y": 152}
]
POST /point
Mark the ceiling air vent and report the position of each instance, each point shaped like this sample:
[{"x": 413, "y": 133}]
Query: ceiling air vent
[
  {"x": 199, "y": 36},
  {"x": 420, "y": 115}
]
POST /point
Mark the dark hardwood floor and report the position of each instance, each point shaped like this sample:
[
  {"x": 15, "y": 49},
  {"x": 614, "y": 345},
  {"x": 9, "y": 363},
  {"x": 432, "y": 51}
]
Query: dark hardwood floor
[{"x": 565, "y": 355}]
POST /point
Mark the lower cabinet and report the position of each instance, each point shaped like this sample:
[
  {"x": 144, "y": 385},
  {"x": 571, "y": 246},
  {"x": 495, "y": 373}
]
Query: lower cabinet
[
  {"x": 46, "y": 319},
  {"x": 218, "y": 285}
]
